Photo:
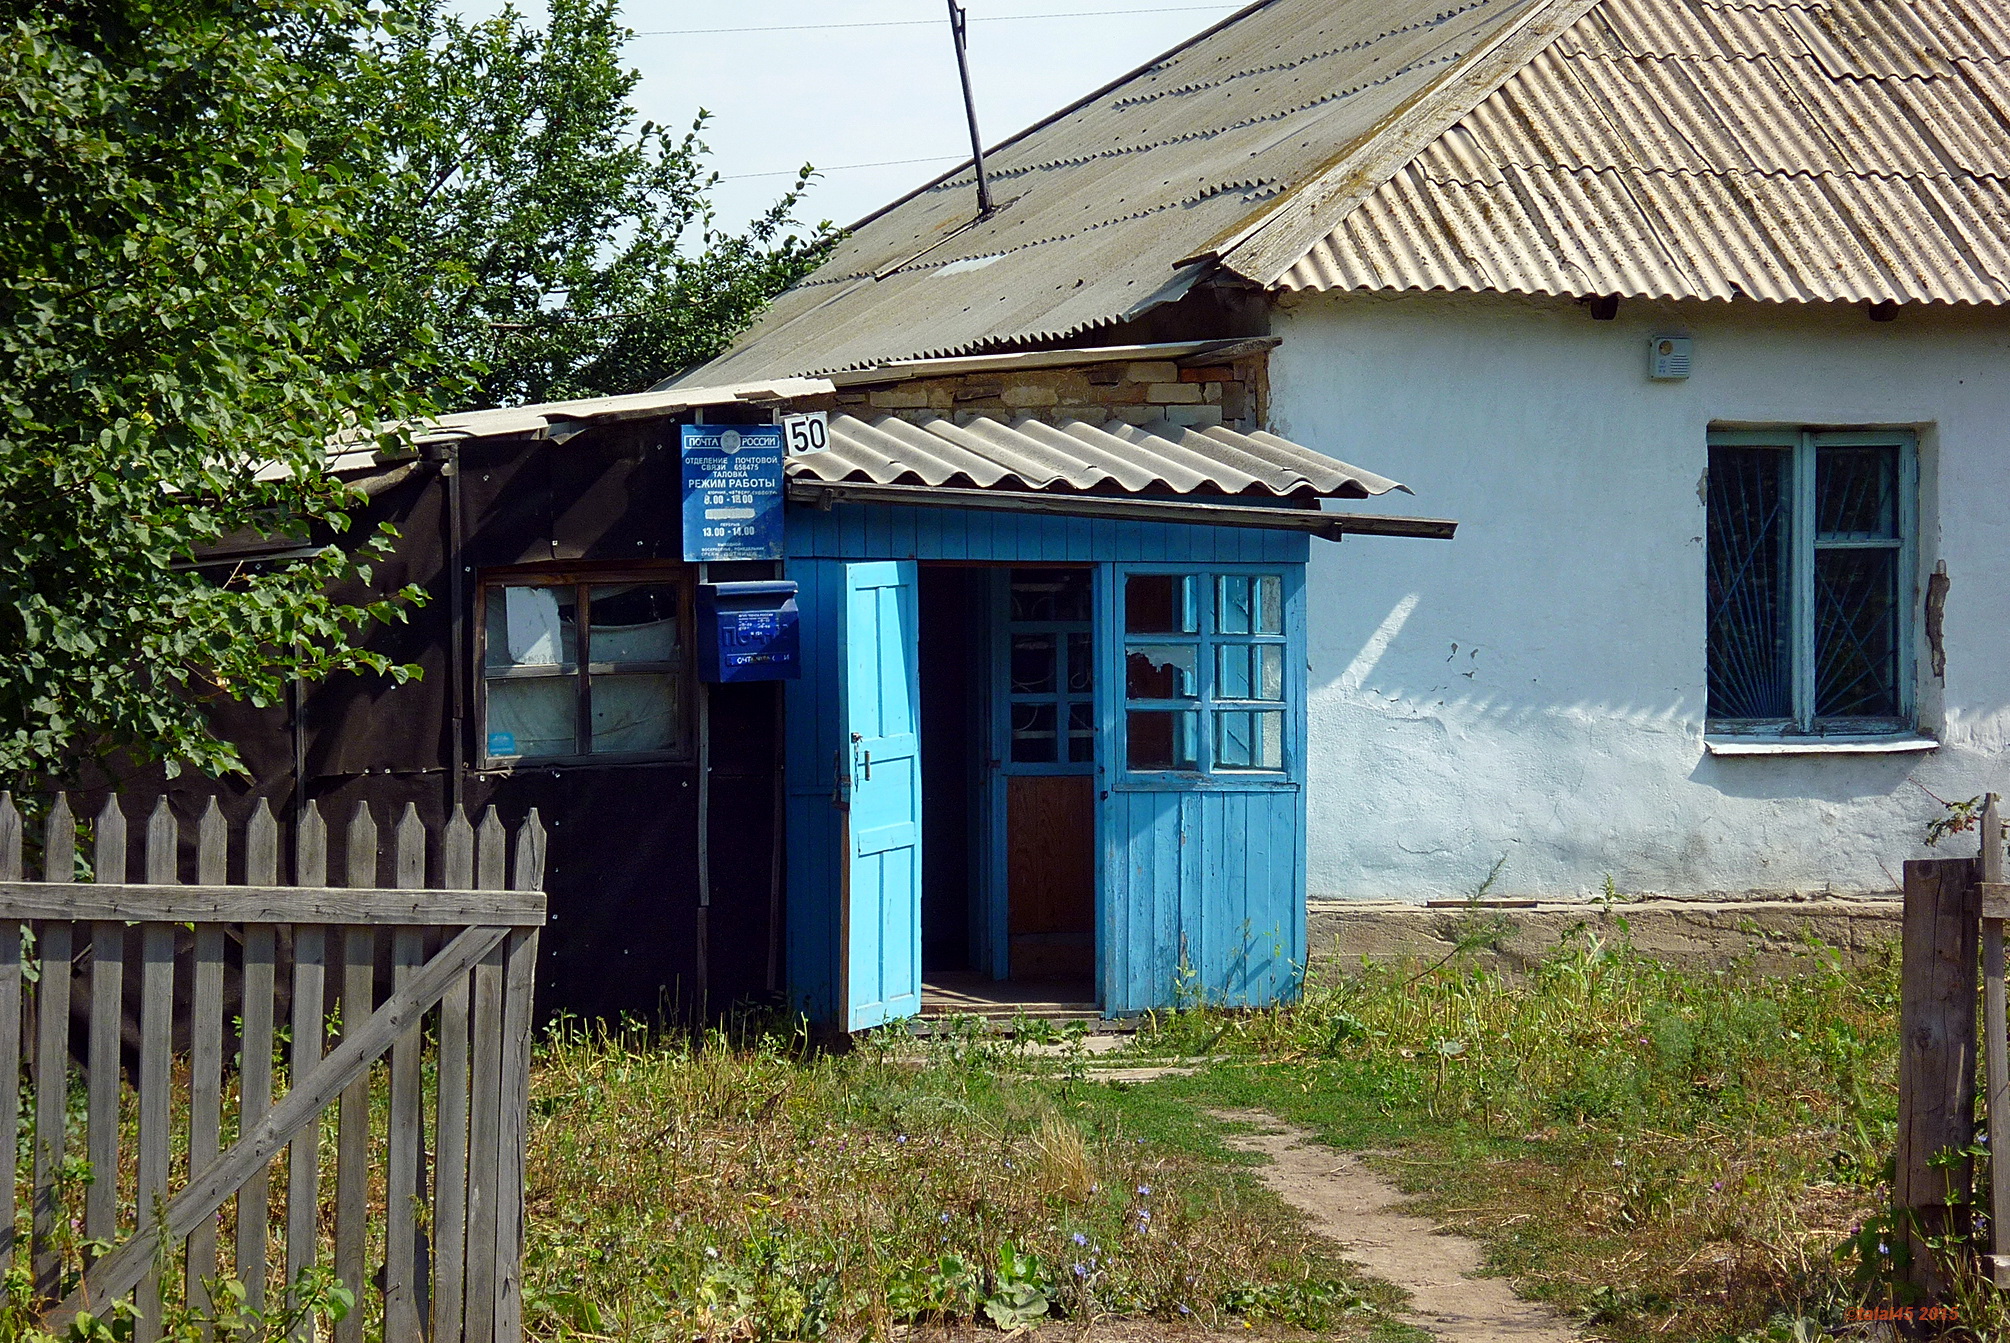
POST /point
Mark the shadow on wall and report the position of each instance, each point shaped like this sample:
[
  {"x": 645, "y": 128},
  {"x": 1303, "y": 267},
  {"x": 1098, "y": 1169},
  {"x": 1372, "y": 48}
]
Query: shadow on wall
[
  {"x": 1450, "y": 704},
  {"x": 1814, "y": 778}
]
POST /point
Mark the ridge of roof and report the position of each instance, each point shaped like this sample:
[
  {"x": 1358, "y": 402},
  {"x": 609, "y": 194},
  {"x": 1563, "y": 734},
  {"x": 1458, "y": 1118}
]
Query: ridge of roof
[
  {"x": 1265, "y": 250},
  {"x": 1101, "y": 201}
]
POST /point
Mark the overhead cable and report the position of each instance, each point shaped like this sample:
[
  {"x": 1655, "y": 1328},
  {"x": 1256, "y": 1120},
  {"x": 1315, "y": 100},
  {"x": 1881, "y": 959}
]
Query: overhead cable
[{"x": 930, "y": 23}]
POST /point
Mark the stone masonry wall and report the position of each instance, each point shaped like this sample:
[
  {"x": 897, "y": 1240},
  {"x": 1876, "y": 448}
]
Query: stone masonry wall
[{"x": 1138, "y": 391}]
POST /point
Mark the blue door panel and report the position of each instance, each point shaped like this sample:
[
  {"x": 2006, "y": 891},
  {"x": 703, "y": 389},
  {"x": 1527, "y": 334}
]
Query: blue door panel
[
  {"x": 881, "y": 738},
  {"x": 1205, "y": 875}
]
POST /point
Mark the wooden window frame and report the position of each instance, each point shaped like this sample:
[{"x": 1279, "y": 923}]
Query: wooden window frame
[
  {"x": 1207, "y": 701},
  {"x": 1804, "y": 542},
  {"x": 1061, "y": 697},
  {"x": 491, "y": 582}
]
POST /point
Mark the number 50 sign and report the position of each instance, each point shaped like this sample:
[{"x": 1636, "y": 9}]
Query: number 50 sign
[{"x": 810, "y": 432}]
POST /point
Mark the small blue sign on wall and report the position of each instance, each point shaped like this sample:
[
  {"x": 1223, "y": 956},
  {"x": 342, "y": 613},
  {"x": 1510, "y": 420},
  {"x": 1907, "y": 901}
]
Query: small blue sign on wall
[{"x": 732, "y": 492}]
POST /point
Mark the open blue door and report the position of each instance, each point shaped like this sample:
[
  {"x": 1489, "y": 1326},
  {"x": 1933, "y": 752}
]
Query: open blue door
[{"x": 880, "y": 702}]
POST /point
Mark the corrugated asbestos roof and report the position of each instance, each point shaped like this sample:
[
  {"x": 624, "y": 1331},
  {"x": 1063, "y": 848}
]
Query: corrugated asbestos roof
[
  {"x": 1784, "y": 150},
  {"x": 1795, "y": 150},
  {"x": 1098, "y": 206},
  {"x": 1076, "y": 456}
]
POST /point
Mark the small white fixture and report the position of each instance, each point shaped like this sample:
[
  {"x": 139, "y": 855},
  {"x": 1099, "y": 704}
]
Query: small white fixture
[{"x": 1668, "y": 358}]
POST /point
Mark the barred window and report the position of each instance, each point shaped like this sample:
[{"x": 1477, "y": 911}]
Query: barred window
[{"x": 1810, "y": 580}]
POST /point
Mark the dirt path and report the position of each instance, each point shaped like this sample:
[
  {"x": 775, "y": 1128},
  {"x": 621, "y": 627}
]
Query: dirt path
[{"x": 1351, "y": 1204}]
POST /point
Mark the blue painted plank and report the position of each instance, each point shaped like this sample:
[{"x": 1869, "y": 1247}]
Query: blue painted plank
[{"x": 881, "y": 704}]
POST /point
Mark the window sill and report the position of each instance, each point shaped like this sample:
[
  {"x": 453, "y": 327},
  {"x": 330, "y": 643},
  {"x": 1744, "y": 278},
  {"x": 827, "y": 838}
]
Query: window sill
[{"x": 1884, "y": 743}]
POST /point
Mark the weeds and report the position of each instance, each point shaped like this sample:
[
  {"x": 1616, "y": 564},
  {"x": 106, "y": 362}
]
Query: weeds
[
  {"x": 1651, "y": 1147},
  {"x": 764, "y": 1191}
]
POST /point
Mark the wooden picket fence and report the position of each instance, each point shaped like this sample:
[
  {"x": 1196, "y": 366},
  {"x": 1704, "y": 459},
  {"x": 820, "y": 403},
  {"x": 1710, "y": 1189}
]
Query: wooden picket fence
[
  {"x": 200, "y": 1136},
  {"x": 1955, "y": 909}
]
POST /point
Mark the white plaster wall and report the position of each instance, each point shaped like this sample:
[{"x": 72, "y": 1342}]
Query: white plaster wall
[{"x": 1534, "y": 690}]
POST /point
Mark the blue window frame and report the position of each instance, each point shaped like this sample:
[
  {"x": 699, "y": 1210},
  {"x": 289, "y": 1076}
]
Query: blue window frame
[
  {"x": 1047, "y": 670},
  {"x": 1207, "y": 683},
  {"x": 1811, "y": 541}
]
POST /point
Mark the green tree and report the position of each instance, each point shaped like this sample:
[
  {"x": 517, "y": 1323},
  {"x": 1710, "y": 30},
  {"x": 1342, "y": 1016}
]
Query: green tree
[
  {"x": 559, "y": 249},
  {"x": 230, "y": 231},
  {"x": 183, "y": 310}
]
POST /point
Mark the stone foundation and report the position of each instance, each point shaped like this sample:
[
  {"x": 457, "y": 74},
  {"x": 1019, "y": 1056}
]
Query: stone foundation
[{"x": 1708, "y": 934}]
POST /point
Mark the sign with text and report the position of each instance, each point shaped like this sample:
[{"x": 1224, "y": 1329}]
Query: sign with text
[
  {"x": 732, "y": 492},
  {"x": 808, "y": 432}
]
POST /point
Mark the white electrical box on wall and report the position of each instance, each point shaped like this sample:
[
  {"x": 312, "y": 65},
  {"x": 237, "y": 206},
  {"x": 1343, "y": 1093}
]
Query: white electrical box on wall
[{"x": 1668, "y": 358}]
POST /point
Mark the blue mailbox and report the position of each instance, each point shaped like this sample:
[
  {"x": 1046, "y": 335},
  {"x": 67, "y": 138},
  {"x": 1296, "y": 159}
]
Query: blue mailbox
[{"x": 748, "y": 632}]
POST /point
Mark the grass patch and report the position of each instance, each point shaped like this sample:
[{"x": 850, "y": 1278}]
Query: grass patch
[
  {"x": 754, "y": 1190},
  {"x": 1663, "y": 1153}
]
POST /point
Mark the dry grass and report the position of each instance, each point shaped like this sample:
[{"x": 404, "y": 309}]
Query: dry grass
[
  {"x": 719, "y": 1192},
  {"x": 1667, "y": 1154}
]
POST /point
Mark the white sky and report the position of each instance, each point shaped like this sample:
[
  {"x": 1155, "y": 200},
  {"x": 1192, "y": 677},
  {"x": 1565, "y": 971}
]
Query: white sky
[{"x": 841, "y": 96}]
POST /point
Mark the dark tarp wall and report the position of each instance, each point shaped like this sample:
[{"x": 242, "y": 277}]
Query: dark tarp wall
[{"x": 622, "y": 868}]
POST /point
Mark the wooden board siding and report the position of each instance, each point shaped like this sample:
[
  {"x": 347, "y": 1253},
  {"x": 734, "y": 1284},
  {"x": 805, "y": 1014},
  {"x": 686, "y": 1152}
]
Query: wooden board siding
[
  {"x": 1209, "y": 870},
  {"x": 875, "y": 531},
  {"x": 1050, "y": 875},
  {"x": 1205, "y": 897}
]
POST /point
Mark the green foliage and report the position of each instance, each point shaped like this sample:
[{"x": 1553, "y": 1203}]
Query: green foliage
[
  {"x": 229, "y": 233},
  {"x": 181, "y": 303},
  {"x": 1021, "y": 1291},
  {"x": 316, "y": 1296},
  {"x": 558, "y": 249},
  {"x": 759, "y": 1190},
  {"x": 1669, "y": 1152}
]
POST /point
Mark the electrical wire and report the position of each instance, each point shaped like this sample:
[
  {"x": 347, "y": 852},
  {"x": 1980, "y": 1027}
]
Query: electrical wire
[
  {"x": 929, "y": 23},
  {"x": 845, "y": 167}
]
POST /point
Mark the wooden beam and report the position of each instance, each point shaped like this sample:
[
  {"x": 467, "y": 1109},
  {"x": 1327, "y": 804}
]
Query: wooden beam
[
  {"x": 1936, "y": 1061},
  {"x": 139, "y": 903},
  {"x": 1330, "y": 526},
  {"x": 1996, "y": 1037}
]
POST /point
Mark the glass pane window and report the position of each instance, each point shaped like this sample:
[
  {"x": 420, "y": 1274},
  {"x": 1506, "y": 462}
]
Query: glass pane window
[
  {"x": 533, "y": 717},
  {"x": 1033, "y": 739},
  {"x": 1751, "y": 674},
  {"x": 634, "y": 713},
  {"x": 1856, "y": 629},
  {"x": 634, "y": 622},
  {"x": 1159, "y": 604},
  {"x": 1206, "y": 689},
  {"x": 1250, "y": 604},
  {"x": 1034, "y": 664},
  {"x": 1050, "y": 670},
  {"x": 1809, "y": 551},
  {"x": 1244, "y": 740},
  {"x": 1250, "y": 671},
  {"x": 575, "y": 669},
  {"x": 531, "y": 627},
  {"x": 1158, "y": 739},
  {"x": 1161, "y": 671},
  {"x": 1081, "y": 664},
  {"x": 1856, "y": 493}
]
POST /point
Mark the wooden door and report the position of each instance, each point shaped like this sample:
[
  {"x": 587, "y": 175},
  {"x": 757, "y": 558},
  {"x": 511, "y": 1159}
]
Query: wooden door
[
  {"x": 881, "y": 702},
  {"x": 1050, "y": 874}
]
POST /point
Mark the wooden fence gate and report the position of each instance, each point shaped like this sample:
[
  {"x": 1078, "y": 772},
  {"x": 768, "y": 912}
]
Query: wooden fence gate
[{"x": 200, "y": 1122}]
